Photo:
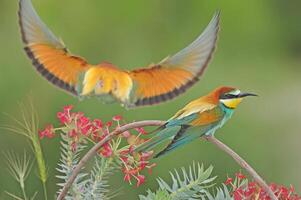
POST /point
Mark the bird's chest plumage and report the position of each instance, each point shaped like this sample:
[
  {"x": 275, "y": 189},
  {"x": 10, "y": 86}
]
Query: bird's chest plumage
[
  {"x": 227, "y": 113},
  {"x": 107, "y": 80}
]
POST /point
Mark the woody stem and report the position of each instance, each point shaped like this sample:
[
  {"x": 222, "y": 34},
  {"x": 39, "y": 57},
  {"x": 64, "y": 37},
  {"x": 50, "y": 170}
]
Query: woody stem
[{"x": 243, "y": 164}]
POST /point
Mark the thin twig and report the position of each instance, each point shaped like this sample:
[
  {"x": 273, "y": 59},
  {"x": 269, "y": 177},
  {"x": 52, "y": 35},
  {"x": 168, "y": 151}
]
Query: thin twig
[
  {"x": 243, "y": 164},
  {"x": 93, "y": 151}
]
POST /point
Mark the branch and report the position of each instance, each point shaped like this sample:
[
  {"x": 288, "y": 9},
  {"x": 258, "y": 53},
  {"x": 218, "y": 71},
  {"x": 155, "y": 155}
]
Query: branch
[
  {"x": 243, "y": 164},
  {"x": 93, "y": 151}
]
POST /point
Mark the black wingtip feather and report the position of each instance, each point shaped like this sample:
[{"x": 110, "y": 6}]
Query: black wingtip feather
[
  {"x": 48, "y": 75},
  {"x": 21, "y": 23},
  {"x": 177, "y": 91},
  {"x": 167, "y": 96}
]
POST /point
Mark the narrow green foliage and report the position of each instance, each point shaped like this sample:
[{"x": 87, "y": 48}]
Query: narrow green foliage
[
  {"x": 19, "y": 168},
  {"x": 159, "y": 195},
  {"x": 98, "y": 186},
  {"x": 86, "y": 186},
  {"x": 191, "y": 184},
  {"x": 69, "y": 159},
  {"x": 19, "y": 198},
  {"x": 221, "y": 194},
  {"x": 14, "y": 196},
  {"x": 28, "y": 126}
]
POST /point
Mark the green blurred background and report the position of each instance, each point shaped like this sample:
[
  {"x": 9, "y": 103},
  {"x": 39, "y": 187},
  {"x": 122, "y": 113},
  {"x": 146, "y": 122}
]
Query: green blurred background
[{"x": 259, "y": 50}]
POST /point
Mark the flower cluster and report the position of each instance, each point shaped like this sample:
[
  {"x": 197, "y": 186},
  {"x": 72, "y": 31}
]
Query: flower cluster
[
  {"x": 242, "y": 189},
  {"x": 134, "y": 163},
  {"x": 81, "y": 129}
]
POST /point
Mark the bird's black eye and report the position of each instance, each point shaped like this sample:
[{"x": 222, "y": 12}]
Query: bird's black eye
[{"x": 228, "y": 96}]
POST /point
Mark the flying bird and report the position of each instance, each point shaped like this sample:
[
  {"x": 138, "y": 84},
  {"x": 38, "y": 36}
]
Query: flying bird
[
  {"x": 201, "y": 117},
  {"x": 149, "y": 85}
]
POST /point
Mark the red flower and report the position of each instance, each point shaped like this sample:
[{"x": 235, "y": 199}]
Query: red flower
[
  {"x": 67, "y": 109},
  {"x": 117, "y": 118},
  {"x": 228, "y": 181},
  {"x": 150, "y": 168},
  {"x": 292, "y": 189},
  {"x": 238, "y": 194},
  {"x": 72, "y": 133},
  {"x": 76, "y": 123},
  {"x": 141, "y": 130},
  {"x": 240, "y": 176},
  {"x": 47, "y": 132},
  {"x": 284, "y": 192},
  {"x": 73, "y": 146},
  {"x": 124, "y": 152},
  {"x": 146, "y": 155},
  {"x": 253, "y": 191},
  {"x": 95, "y": 135},
  {"x": 84, "y": 125},
  {"x": 131, "y": 149},
  {"x": 124, "y": 159},
  {"x": 106, "y": 150},
  {"x": 98, "y": 123},
  {"x": 64, "y": 119},
  {"x": 273, "y": 187},
  {"x": 140, "y": 180},
  {"x": 65, "y": 116},
  {"x": 127, "y": 178},
  {"x": 143, "y": 164},
  {"x": 109, "y": 124},
  {"x": 126, "y": 134},
  {"x": 250, "y": 190},
  {"x": 263, "y": 195}
]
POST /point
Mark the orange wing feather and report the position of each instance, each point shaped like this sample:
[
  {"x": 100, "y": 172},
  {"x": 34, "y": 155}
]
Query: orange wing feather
[
  {"x": 160, "y": 84},
  {"x": 49, "y": 55},
  {"x": 208, "y": 117},
  {"x": 175, "y": 74}
]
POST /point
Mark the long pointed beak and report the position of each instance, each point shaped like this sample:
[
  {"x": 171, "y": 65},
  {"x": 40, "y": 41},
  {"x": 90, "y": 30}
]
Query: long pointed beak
[{"x": 241, "y": 95}]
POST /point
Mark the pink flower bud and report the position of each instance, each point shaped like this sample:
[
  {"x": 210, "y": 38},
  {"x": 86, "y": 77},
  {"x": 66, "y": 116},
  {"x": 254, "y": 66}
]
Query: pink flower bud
[
  {"x": 228, "y": 181},
  {"x": 117, "y": 118},
  {"x": 140, "y": 180}
]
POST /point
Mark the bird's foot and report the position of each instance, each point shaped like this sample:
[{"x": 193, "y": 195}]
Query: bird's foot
[{"x": 206, "y": 137}]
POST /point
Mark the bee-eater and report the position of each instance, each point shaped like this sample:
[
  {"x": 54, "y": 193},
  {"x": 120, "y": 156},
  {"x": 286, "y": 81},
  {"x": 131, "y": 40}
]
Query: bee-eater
[
  {"x": 145, "y": 86},
  {"x": 201, "y": 117}
]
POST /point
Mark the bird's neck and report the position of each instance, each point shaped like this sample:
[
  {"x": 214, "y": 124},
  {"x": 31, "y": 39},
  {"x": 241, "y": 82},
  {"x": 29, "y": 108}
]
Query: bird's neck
[{"x": 228, "y": 111}]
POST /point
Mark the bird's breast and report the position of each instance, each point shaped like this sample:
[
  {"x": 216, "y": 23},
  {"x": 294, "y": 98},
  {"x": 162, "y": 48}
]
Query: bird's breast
[{"x": 107, "y": 80}]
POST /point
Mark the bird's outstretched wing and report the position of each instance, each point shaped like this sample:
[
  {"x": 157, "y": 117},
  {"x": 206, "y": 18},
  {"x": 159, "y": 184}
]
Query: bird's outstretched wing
[
  {"x": 48, "y": 54},
  {"x": 146, "y": 86},
  {"x": 175, "y": 74}
]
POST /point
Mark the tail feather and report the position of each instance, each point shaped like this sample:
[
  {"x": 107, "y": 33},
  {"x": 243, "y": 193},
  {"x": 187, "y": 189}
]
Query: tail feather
[
  {"x": 174, "y": 143},
  {"x": 161, "y": 136}
]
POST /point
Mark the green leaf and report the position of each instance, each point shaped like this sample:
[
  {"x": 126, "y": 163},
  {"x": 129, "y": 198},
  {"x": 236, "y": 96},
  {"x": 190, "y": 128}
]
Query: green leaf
[{"x": 191, "y": 183}]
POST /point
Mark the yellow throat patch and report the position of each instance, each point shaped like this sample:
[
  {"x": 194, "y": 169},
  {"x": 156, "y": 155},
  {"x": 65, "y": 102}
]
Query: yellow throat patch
[{"x": 231, "y": 103}]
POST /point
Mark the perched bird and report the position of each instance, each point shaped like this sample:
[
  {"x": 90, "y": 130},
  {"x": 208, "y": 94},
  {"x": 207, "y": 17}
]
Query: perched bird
[
  {"x": 145, "y": 86},
  {"x": 201, "y": 117}
]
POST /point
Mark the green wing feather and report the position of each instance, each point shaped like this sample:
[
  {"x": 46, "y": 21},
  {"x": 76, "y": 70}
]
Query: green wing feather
[
  {"x": 190, "y": 133},
  {"x": 161, "y": 136},
  {"x": 167, "y": 131},
  {"x": 185, "y": 135}
]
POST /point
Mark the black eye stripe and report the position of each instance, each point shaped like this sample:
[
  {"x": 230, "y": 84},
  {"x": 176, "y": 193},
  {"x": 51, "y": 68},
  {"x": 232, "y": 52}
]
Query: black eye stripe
[{"x": 228, "y": 96}]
